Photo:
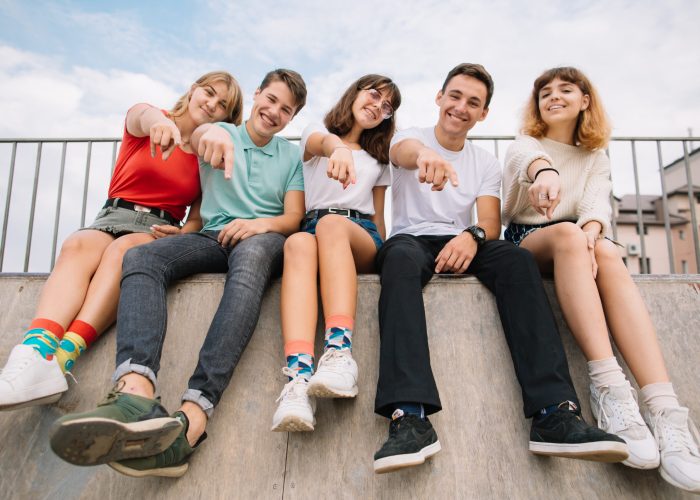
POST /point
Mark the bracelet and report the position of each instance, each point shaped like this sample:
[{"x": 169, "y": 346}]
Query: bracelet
[{"x": 545, "y": 170}]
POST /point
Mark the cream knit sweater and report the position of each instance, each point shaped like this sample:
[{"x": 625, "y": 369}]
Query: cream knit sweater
[{"x": 584, "y": 176}]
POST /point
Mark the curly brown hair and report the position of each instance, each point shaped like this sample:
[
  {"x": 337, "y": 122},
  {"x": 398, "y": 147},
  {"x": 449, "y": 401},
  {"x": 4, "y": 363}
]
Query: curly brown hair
[
  {"x": 592, "y": 127},
  {"x": 375, "y": 141}
]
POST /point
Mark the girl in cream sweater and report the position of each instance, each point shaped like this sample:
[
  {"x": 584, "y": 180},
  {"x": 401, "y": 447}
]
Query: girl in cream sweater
[{"x": 557, "y": 205}]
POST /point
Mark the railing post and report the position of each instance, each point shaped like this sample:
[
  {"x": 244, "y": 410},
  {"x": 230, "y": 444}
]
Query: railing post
[
  {"x": 57, "y": 218},
  {"x": 691, "y": 201},
  {"x": 30, "y": 229},
  {"x": 6, "y": 214},
  {"x": 667, "y": 218},
  {"x": 640, "y": 223},
  {"x": 87, "y": 182}
]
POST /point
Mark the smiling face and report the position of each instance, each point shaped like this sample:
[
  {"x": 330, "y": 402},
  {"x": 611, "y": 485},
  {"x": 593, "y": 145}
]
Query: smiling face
[
  {"x": 371, "y": 107},
  {"x": 208, "y": 103},
  {"x": 273, "y": 108},
  {"x": 560, "y": 102},
  {"x": 462, "y": 105}
]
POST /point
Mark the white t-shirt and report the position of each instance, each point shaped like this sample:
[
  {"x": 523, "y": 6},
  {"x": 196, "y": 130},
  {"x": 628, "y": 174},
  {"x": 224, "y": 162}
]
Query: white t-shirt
[
  {"x": 419, "y": 211},
  {"x": 321, "y": 192}
]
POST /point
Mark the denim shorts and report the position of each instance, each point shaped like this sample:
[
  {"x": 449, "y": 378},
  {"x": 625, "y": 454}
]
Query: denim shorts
[
  {"x": 120, "y": 221},
  {"x": 309, "y": 226}
]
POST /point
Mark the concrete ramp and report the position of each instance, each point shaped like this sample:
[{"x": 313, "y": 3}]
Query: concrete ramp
[{"x": 483, "y": 433}]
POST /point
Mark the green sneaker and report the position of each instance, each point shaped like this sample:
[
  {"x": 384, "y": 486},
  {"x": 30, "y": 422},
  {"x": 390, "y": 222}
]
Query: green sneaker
[
  {"x": 170, "y": 463},
  {"x": 122, "y": 426}
]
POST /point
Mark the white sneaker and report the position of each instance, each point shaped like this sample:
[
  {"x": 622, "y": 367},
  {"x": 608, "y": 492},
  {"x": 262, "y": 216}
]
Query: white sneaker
[
  {"x": 616, "y": 411},
  {"x": 28, "y": 379},
  {"x": 336, "y": 376},
  {"x": 678, "y": 440},
  {"x": 296, "y": 410}
]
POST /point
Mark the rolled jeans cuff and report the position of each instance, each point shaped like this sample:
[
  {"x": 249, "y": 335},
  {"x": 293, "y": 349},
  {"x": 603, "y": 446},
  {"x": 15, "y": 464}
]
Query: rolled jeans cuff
[
  {"x": 195, "y": 396},
  {"x": 128, "y": 367}
]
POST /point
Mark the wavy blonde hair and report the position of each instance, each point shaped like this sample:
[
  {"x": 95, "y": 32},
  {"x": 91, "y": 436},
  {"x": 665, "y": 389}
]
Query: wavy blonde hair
[
  {"x": 234, "y": 96},
  {"x": 592, "y": 127}
]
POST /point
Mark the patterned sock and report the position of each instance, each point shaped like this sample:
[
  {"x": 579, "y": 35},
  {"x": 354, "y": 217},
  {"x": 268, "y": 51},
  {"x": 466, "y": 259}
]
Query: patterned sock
[
  {"x": 300, "y": 357},
  {"x": 338, "y": 332},
  {"x": 606, "y": 372},
  {"x": 77, "y": 338},
  {"x": 659, "y": 396},
  {"x": 43, "y": 335}
]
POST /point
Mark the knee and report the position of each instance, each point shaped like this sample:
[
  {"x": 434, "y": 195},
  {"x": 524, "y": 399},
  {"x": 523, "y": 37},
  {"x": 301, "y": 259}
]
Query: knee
[
  {"x": 298, "y": 247},
  {"x": 399, "y": 260},
  {"x": 606, "y": 253},
  {"x": 114, "y": 254},
  {"x": 330, "y": 228},
  {"x": 73, "y": 246},
  {"x": 133, "y": 259},
  {"x": 569, "y": 238}
]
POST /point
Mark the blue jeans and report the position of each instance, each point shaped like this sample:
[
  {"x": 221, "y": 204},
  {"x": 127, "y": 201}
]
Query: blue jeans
[
  {"x": 142, "y": 317},
  {"x": 309, "y": 226}
]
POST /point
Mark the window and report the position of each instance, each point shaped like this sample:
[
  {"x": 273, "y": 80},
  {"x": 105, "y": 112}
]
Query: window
[
  {"x": 648, "y": 262},
  {"x": 681, "y": 235},
  {"x": 684, "y": 266},
  {"x": 646, "y": 230}
]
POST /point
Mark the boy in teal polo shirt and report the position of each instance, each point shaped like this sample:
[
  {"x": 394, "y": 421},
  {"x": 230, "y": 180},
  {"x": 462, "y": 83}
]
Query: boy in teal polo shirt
[{"x": 247, "y": 210}]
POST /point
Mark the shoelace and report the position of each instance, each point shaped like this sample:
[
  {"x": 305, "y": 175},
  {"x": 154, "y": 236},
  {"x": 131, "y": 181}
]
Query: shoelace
[
  {"x": 334, "y": 358},
  {"x": 293, "y": 388},
  {"x": 675, "y": 437},
  {"x": 628, "y": 412}
]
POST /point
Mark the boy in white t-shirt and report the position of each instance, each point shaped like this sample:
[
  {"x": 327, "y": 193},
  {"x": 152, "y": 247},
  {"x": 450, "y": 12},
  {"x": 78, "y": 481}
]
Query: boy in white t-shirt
[{"x": 438, "y": 180}]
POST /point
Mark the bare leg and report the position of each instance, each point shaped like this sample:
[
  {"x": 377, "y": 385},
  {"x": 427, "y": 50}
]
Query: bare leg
[
  {"x": 344, "y": 249},
  {"x": 99, "y": 308},
  {"x": 628, "y": 318},
  {"x": 299, "y": 296},
  {"x": 563, "y": 247},
  {"x": 64, "y": 292}
]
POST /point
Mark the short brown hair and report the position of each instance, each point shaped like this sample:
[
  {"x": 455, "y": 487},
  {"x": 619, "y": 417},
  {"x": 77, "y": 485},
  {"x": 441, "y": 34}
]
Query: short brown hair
[
  {"x": 291, "y": 79},
  {"x": 475, "y": 71},
  {"x": 375, "y": 141},
  {"x": 592, "y": 127},
  {"x": 234, "y": 96}
]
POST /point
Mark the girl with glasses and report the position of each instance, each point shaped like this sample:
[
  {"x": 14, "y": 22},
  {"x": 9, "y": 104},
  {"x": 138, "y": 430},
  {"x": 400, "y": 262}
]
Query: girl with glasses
[
  {"x": 346, "y": 172},
  {"x": 156, "y": 177},
  {"x": 557, "y": 205}
]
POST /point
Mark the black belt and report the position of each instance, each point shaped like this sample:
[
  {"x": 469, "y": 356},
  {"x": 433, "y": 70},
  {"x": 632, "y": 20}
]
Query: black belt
[
  {"x": 345, "y": 212},
  {"x": 158, "y": 212}
]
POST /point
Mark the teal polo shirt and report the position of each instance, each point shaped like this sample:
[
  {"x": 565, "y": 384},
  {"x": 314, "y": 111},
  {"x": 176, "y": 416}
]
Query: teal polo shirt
[{"x": 260, "y": 179}]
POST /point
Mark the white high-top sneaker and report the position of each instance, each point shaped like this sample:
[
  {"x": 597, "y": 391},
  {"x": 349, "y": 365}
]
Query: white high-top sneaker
[
  {"x": 336, "y": 376},
  {"x": 616, "y": 411},
  {"x": 295, "y": 411},
  {"x": 28, "y": 379},
  {"x": 678, "y": 441}
]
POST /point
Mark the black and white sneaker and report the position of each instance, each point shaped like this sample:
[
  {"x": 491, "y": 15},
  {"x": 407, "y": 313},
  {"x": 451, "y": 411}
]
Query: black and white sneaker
[
  {"x": 563, "y": 433},
  {"x": 411, "y": 440}
]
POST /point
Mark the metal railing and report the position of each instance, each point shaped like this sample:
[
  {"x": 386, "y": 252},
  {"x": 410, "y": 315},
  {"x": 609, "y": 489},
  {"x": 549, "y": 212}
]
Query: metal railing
[{"x": 83, "y": 166}]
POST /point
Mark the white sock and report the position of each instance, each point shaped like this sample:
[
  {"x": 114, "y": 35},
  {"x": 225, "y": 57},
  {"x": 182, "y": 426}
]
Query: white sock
[
  {"x": 606, "y": 372},
  {"x": 659, "y": 396}
]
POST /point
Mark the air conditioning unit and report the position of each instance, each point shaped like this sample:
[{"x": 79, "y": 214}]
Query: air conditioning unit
[{"x": 633, "y": 249}]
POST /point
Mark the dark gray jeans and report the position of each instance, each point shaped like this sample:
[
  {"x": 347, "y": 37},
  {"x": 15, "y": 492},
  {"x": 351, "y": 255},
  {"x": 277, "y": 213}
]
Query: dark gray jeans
[{"x": 143, "y": 315}]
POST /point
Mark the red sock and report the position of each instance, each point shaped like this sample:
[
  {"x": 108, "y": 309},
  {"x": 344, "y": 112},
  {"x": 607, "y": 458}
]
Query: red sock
[
  {"x": 85, "y": 330},
  {"x": 47, "y": 324}
]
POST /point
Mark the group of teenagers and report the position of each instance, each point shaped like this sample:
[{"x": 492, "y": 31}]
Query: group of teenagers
[{"x": 259, "y": 204}]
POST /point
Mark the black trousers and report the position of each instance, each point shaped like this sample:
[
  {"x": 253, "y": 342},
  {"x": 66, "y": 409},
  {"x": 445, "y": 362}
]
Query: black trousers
[{"x": 406, "y": 263}]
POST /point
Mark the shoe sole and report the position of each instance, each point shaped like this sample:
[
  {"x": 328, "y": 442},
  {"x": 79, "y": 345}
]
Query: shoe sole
[
  {"x": 177, "y": 471},
  {"x": 396, "y": 462},
  {"x": 93, "y": 441},
  {"x": 44, "y": 400},
  {"x": 292, "y": 423},
  {"x": 321, "y": 390},
  {"x": 675, "y": 483},
  {"x": 599, "y": 451}
]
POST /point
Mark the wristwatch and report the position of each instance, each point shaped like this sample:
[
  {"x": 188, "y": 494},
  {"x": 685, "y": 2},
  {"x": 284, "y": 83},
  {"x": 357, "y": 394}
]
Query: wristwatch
[{"x": 477, "y": 233}]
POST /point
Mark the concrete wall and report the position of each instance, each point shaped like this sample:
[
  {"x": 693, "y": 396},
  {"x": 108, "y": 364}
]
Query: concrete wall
[{"x": 483, "y": 433}]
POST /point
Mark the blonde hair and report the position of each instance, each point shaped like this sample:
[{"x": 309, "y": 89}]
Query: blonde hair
[
  {"x": 234, "y": 96},
  {"x": 592, "y": 127}
]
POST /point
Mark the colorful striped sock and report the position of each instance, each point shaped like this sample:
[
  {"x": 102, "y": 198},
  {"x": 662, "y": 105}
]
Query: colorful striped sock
[
  {"x": 300, "y": 357},
  {"x": 77, "y": 338},
  {"x": 43, "y": 335},
  {"x": 338, "y": 332}
]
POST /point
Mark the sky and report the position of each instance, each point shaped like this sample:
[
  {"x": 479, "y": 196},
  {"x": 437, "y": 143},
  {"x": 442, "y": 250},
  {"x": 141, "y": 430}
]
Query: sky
[{"x": 73, "y": 68}]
